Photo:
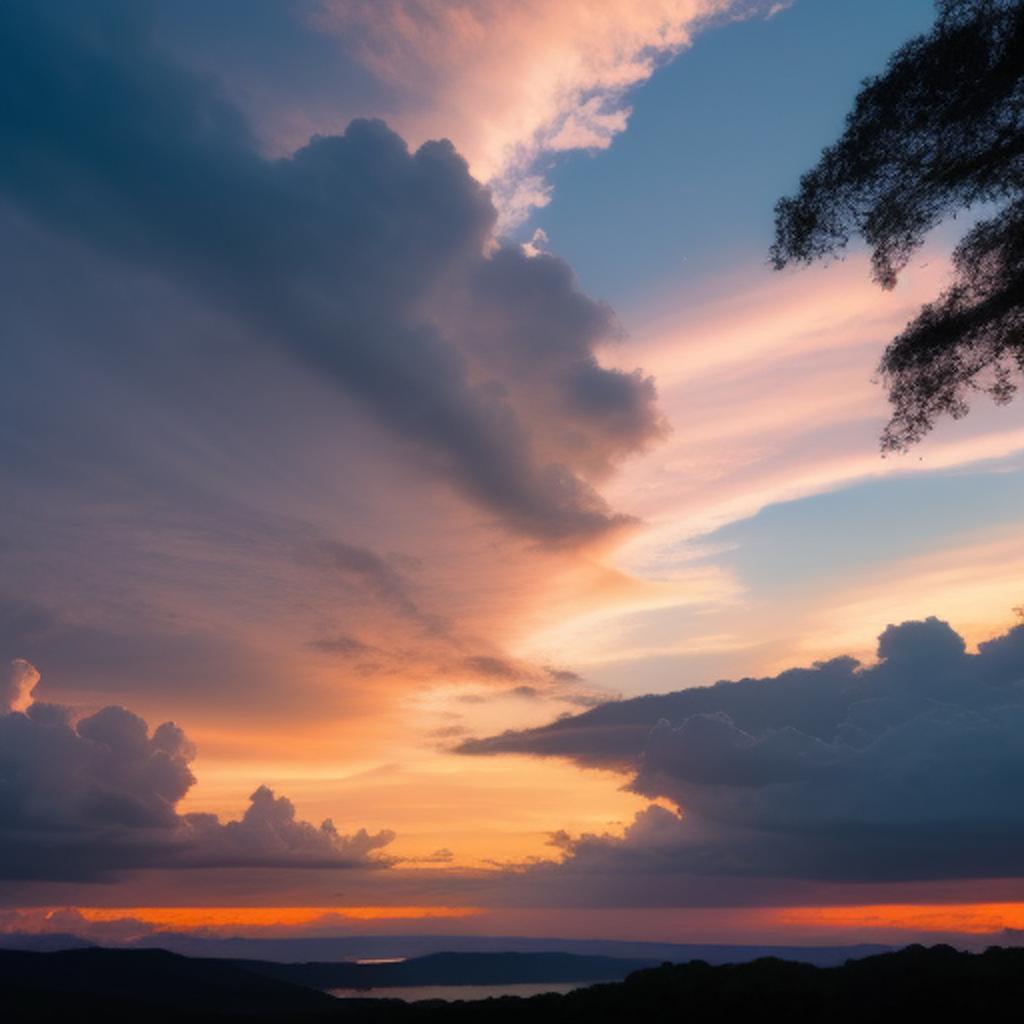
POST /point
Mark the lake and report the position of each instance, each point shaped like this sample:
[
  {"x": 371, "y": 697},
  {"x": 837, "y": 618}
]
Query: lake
[{"x": 450, "y": 993}]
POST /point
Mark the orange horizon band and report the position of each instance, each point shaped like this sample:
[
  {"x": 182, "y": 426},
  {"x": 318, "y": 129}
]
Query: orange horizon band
[
  {"x": 973, "y": 918},
  {"x": 194, "y": 917}
]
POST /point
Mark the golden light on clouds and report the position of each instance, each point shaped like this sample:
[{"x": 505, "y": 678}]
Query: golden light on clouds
[
  {"x": 512, "y": 82},
  {"x": 976, "y": 583},
  {"x": 175, "y": 918},
  {"x": 966, "y": 918}
]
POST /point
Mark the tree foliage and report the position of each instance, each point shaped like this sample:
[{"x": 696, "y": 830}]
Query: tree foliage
[{"x": 939, "y": 131}]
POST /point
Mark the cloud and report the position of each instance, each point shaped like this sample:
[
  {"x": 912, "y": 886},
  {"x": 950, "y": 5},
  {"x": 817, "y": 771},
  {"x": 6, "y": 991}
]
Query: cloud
[
  {"x": 492, "y": 667},
  {"x": 269, "y": 835},
  {"x": 340, "y": 644},
  {"x": 526, "y": 692},
  {"x": 348, "y": 255},
  {"x": 16, "y": 686},
  {"x": 85, "y": 798},
  {"x": 526, "y": 681},
  {"x": 516, "y": 81},
  {"x": 564, "y": 675},
  {"x": 906, "y": 770},
  {"x": 378, "y": 577},
  {"x": 448, "y": 732},
  {"x": 441, "y": 856}
]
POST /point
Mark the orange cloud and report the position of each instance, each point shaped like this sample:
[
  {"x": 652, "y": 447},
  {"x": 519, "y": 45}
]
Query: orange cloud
[
  {"x": 965, "y": 918},
  {"x": 975, "y": 582},
  {"x": 194, "y": 918}
]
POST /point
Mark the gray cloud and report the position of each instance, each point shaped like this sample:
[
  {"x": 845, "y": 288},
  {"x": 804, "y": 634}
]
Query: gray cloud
[
  {"x": 341, "y": 644},
  {"x": 532, "y": 682},
  {"x": 493, "y": 667},
  {"x": 527, "y": 692},
  {"x": 563, "y": 675},
  {"x": 349, "y": 254},
  {"x": 83, "y": 798},
  {"x": 614, "y": 734},
  {"x": 906, "y": 770},
  {"x": 269, "y": 835}
]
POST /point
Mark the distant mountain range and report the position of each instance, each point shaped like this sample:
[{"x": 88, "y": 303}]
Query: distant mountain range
[
  {"x": 153, "y": 986},
  {"x": 383, "y": 946},
  {"x": 451, "y": 969}
]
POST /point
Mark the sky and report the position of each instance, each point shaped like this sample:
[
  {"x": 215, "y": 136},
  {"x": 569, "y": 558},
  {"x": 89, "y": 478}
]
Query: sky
[{"x": 403, "y": 430}]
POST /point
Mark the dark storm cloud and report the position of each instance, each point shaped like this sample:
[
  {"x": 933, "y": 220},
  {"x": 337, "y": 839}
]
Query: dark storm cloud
[
  {"x": 348, "y": 254},
  {"x": 537, "y": 331},
  {"x": 84, "y": 798},
  {"x": 910, "y": 769}
]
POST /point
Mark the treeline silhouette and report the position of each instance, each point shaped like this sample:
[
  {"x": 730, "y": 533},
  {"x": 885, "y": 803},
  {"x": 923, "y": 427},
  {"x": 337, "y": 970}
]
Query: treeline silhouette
[
  {"x": 940, "y": 132},
  {"x": 916, "y": 983}
]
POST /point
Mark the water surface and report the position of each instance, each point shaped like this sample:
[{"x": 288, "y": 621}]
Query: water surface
[{"x": 450, "y": 993}]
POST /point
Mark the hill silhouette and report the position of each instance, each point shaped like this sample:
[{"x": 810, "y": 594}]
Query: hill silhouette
[
  {"x": 452, "y": 969},
  {"x": 936, "y": 984},
  {"x": 352, "y": 947},
  {"x": 143, "y": 985}
]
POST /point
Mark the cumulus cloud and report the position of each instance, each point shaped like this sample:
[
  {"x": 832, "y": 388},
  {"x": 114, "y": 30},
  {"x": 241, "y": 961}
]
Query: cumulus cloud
[
  {"x": 367, "y": 262},
  {"x": 269, "y": 835},
  {"x": 908, "y": 769},
  {"x": 613, "y": 735},
  {"x": 514, "y": 81},
  {"x": 16, "y": 686},
  {"x": 84, "y": 797}
]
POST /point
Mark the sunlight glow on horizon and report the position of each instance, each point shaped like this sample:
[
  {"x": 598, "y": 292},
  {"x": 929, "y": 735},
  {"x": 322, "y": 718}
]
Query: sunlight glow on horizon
[{"x": 197, "y": 918}]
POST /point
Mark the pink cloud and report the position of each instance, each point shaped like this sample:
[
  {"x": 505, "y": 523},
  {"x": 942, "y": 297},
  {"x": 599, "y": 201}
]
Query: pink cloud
[{"x": 510, "y": 80}]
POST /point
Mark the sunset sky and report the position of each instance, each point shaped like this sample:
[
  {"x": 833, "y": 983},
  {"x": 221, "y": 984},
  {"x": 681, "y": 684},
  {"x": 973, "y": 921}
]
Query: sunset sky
[{"x": 372, "y": 462}]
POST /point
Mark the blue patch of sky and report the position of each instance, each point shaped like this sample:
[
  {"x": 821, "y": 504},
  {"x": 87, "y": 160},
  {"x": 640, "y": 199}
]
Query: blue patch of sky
[
  {"x": 715, "y": 138},
  {"x": 813, "y": 539}
]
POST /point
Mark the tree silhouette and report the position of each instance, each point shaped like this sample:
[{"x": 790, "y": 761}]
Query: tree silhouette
[{"x": 941, "y": 130}]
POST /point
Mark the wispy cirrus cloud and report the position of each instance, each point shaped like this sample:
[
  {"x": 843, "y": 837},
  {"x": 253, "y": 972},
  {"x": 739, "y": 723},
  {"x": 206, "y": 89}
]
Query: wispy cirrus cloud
[{"x": 515, "y": 83}]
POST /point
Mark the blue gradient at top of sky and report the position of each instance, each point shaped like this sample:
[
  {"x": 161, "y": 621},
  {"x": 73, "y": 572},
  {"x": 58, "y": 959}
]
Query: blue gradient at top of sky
[{"x": 714, "y": 139}]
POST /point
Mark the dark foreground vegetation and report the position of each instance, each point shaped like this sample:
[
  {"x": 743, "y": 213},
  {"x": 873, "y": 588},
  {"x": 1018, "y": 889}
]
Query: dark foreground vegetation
[
  {"x": 936, "y": 984},
  {"x": 940, "y": 132}
]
